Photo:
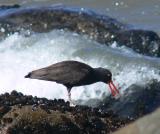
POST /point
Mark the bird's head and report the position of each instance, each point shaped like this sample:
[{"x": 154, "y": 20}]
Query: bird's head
[{"x": 104, "y": 75}]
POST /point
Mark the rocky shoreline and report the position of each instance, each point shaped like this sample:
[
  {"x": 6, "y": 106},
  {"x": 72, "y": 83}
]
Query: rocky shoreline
[
  {"x": 23, "y": 114},
  {"x": 26, "y": 114}
]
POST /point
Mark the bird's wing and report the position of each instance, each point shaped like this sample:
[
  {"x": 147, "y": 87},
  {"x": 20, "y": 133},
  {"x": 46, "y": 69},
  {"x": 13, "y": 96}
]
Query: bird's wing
[{"x": 63, "y": 72}]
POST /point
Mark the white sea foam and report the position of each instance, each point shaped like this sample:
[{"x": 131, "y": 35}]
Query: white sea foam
[{"x": 20, "y": 55}]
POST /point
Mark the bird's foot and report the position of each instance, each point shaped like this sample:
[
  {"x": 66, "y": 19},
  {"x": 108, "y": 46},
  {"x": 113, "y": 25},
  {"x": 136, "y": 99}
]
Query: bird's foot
[
  {"x": 117, "y": 96},
  {"x": 72, "y": 104}
]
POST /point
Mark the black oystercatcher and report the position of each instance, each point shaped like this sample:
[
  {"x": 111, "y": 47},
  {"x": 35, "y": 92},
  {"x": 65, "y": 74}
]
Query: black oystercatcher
[{"x": 74, "y": 73}]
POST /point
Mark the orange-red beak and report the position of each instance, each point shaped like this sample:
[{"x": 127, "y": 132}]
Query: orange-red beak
[{"x": 114, "y": 90}]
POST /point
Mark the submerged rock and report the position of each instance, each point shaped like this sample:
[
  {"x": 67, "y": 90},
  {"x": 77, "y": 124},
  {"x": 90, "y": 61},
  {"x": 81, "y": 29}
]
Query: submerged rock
[{"x": 103, "y": 29}]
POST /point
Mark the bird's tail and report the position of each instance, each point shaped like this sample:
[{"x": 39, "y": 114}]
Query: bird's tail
[
  {"x": 37, "y": 74},
  {"x": 28, "y": 75}
]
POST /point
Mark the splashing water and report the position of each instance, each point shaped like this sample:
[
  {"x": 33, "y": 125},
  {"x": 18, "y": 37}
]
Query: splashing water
[{"x": 20, "y": 55}]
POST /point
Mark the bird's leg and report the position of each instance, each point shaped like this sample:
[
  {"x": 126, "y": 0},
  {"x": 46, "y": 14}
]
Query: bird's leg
[{"x": 69, "y": 95}]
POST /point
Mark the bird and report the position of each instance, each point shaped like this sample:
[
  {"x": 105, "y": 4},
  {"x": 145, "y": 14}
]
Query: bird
[{"x": 72, "y": 73}]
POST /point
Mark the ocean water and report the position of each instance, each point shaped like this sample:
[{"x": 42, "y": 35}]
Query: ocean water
[
  {"x": 142, "y": 14},
  {"x": 20, "y": 55}
]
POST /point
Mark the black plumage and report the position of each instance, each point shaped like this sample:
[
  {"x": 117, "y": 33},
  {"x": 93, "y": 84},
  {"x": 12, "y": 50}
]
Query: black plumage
[{"x": 73, "y": 73}]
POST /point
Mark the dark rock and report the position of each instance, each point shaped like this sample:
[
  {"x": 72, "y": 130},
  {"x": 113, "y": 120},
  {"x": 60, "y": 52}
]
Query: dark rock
[
  {"x": 15, "y": 93},
  {"x": 38, "y": 121},
  {"x": 4, "y": 109},
  {"x": 141, "y": 41},
  {"x": 137, "y": 100},
  {"x": 4, "y": 7},
  {"x": 7, "y": 120},
  {"x": 36, "y": 114},
  {"x": 39, "y": 115},
  {"x": 98, "y": 27}
]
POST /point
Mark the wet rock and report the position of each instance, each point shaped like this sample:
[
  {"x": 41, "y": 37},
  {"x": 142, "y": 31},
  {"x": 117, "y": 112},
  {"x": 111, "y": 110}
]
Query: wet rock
[
  {"x": 103, "y": 29},
  {"x": 40, "y": 115},
  {"x": 141, "y": 41},
  {"x": 4, "y": 109},
  {"x": 147, "y": 125},
  {"x": 7, "y": 120},
  {"x": 137, "y": 100},
  {"x": 39, "y": 121}
]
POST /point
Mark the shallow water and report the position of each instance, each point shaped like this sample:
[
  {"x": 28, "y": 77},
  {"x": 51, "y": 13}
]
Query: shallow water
[{"x": 20, "y": 55}]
